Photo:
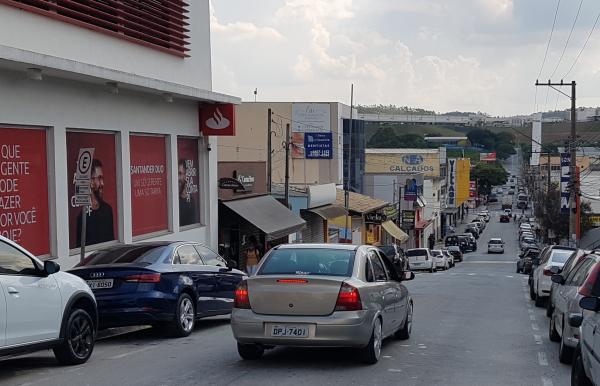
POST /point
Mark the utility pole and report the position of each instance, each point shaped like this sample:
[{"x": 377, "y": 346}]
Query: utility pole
[
  {"x": 549, "y": 166},
  {"x": 287, "y": 165},
  {"x": 347, "y": 184},
  {"x": 269, "y": 151},
  {"x": 573, "y": 183}
]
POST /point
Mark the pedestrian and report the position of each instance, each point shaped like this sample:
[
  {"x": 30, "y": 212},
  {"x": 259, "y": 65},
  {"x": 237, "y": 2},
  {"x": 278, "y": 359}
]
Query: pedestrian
[
  {"x": 251, "y": 256},
  {"x": 431, "y": 240}
]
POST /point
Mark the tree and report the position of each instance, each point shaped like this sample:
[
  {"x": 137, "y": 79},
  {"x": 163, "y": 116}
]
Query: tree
[
  {"x": 482, "y": 137},
  {"x": 488, "y": 175}
]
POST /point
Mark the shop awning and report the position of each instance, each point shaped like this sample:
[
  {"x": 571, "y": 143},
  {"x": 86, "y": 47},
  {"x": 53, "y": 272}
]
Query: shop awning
[
  {"x": 268, "y": 215},
  {"x": 394, "y": 231},
  {"x": 422, "y": 224},
  {"x": 359, "y": 203},
  {"x": 329, "y": 211}
]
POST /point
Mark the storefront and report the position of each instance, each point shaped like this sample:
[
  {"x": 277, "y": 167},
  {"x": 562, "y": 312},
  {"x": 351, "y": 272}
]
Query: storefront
[{"x": 248, "y": 217}]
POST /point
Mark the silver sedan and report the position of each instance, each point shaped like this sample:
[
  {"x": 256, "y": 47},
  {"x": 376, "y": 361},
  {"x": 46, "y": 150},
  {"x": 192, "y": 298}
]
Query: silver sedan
[{"x": 323, "y": 295}]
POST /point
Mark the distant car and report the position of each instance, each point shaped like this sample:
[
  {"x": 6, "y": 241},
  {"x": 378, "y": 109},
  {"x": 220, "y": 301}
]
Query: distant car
[
  {"x": 43, "y": 308},
  {"x": 566, "y": 303},
  {"x": 473, "y": 229},
  {"x": 455, "y": 251},
  {"x": 511, "y": 192},
  {"x": 522, "y": 205},
  {"x": 525, "y": 263},
  {"x": 159, "y": 283},
  {"x": 396, "y": 255},
  {"x": 441, "y": 261},
  {"x": 322, "y": 295},
  {"x": 493, "y": 197},
  {"x": 421, "y": 258},
  {"x": 471, "y": 241},
  {"x": 496, "y": 245},
  {"x": 528, "y": 242},
  {"x": 508, "y": 211},
  {"x": 504, "y": 218},
  {"x": 553, "y": 256}
]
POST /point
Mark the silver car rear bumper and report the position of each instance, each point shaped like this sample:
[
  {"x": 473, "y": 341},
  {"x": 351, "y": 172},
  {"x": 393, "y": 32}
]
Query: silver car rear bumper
[{"x": 340, "y": 329}]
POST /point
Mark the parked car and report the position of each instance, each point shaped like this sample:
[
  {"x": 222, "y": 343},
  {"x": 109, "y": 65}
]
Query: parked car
[
  {"x": 455, "y": 251},
  {"x": 450, "y": 257},
  {"x": 552, "y": 256},
  {"x": 586, "y": 362},
  {"x": 480, "y": 223},
  {"x": 441, "y": 261},
  {"x": 566, "y": 303},
  {"x": 525, "y": 262},
  {"x": 528, "y": 242},
  {"x": 396, "y": 255},
  {"x": 470, "y": 240},
  {"x": 504, "y": 218},
  {"x": 484, "y": 216},
  {"x": 159, "y": 283},
  {"x": 473, "y": 229},
  {"x": 322, "y": 295},
  {"x": 421, "y": 258},
  {"x": 462, "y": 243},
  {"x": 493, "y": 197},
  {"x": 508, "y": 211},
  {"x": 521, "y": 204},
  {"x": 571, "y": 262},
  {"x": 43, "y": 308},
  {"x": 496, "y": 245}
]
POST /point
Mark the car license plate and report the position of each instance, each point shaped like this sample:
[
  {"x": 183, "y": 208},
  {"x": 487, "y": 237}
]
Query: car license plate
[
  {"x": 100, "y": 284},
  {"x": 291, "y": 331}
]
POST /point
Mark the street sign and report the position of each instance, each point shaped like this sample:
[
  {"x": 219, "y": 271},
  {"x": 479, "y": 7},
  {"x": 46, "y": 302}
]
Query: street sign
[
  {"x": 82, "y": 200},
  {"x": 84, "y": 164}
]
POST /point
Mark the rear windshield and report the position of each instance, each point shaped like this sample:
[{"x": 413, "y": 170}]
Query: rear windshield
[
  {"x": 495, "y": 242},
  {"x": 436, "y": 252},
  {"x": 124, "y": 255},
  {"x": 416, "y": 252},
  {"x": 560, "y": 256},
  {"x": 309, "y": 261},
  {"x": 453, "y": 248}
]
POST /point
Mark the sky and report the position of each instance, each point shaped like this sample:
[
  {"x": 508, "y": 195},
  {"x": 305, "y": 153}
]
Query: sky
[{"x": 442, "y": 55}]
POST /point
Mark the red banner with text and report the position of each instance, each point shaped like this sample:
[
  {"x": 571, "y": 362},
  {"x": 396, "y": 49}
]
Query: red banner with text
[
  {"x": 148, "y": 184},
  {"x": 24, "y": 188}
]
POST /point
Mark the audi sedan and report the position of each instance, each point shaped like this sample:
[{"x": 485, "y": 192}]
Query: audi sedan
[
  {"x": 165, "y": 284},
  {"x": 322, "y": 295}
]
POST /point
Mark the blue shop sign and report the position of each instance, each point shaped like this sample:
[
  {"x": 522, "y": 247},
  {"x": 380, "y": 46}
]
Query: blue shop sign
[{"x": 318, "y": 145}]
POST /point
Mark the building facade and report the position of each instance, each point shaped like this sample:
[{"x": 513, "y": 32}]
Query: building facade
[{"x": 122, "y": 100}]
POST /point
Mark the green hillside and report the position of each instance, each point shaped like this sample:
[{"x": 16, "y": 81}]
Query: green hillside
[{"x": 425, "y": 130}]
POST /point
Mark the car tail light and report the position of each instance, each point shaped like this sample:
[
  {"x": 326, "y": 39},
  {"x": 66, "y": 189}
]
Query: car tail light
[
  {"x": 348, "y": 299},
  {"x": 292, "y": 281},
  {"x": 547, "y": 272},
  {"x": 143, "y": 278},
  {"x": 587, "y": 287},
  {"x": 242, "y": 300}
]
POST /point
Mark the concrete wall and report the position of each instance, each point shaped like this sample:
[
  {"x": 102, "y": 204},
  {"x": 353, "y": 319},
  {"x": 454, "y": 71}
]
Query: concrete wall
[
  {"x": 43, "y": 35},
  {"x": 59, "y": 105}
]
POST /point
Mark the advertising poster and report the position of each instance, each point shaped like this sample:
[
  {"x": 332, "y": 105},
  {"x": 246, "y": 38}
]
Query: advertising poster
[
  {"x": 318, "y": 145},
  {"x": 451, "y": 201},
  {"x": 24, "y": 189},
  {"x": 408, "y": 219},
  {"x": 297, "y": 145},
  {"x": 463, "y": 176},
  {"x": 101, "y": 223},
  {"x": 188, "y": 181},
  {"x": 311, "y": 117},
  {"x": 148, "y": 169}
]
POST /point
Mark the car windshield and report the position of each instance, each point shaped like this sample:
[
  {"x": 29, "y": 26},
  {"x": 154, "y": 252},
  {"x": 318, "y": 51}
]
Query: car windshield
[
  {"x": 309, "y": 261},
  {"x": 126, "y": 254},
  {"x": 560, "y": 256},
  {"x": 436, "y": 252},
  {"x": 495, "y": 241}
]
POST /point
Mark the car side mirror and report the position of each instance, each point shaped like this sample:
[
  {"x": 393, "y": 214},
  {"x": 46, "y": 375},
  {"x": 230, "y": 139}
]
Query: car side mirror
[
  {"x": 555, "y": 270},
  {"x": 408, "y": 275},
  {"x": 575, "y": 320},
  {"x": 590, "y": 303},
  {"x": 224, "y": 269},
  {"x": 232, "y": 264},
  {"x": 558, "y": 279},
  {"x": 51, "y": 267}
]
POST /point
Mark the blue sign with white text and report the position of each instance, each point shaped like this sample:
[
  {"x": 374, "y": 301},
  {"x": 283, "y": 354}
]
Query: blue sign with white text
[{"x": 318, "y": 145}]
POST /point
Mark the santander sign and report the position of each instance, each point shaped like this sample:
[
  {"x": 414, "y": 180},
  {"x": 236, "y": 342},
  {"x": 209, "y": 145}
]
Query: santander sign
[{"x": 217, "y": 119}]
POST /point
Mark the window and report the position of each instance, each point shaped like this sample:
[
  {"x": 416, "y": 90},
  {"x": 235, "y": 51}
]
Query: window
[
  {"x": 582, "y": 272},
  {"x": 15, "y": 262},
  {"x": 369, "y": 272},
  {"x": 210, "y": 257},
  {"x": 188, "y": 255},
  {"x": 378, "y": 269}
]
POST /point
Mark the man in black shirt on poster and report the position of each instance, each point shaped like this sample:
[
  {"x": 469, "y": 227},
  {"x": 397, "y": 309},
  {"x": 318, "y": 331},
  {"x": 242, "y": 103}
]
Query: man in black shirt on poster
[
  {"x": 99, "y": 223},
  {"x": 187, "y": 204}
]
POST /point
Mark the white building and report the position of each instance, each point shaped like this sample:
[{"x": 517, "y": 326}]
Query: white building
[{"x": 132, "y": 88}]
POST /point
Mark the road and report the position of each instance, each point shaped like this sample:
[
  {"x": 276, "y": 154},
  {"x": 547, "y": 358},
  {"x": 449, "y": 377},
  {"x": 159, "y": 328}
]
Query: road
[{"x": 473, "y": 326}]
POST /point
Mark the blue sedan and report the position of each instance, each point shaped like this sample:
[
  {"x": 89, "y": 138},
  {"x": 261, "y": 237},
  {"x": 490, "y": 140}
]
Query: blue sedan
[{"x": 159, "y": 283}]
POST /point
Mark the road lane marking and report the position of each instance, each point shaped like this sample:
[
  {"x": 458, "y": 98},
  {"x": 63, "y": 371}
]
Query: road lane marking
[
  {"x": 537, "y": 338},
  {"x": 534, "y": 327},
  {"x": 542, "y": 358},
  {"x": 487, "y": 262},
  {"x": 509, "y": 276},
  {"x": 395, "y": 370},
  {"x": 131, "y": 352},
  {"x": 532, "y": 317},
  {"x": 547, "y": 381}
]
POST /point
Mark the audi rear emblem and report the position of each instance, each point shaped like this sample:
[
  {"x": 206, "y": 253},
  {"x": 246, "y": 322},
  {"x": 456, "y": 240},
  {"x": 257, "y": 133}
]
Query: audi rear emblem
[{"x": 96, "y": 274}]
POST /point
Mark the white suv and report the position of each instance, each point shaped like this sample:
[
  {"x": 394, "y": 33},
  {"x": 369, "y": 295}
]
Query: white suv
[
  {"x": 45, "y": 308},
  {"x": 553, "y": 256},
  {"x": 421, "y": 258}
]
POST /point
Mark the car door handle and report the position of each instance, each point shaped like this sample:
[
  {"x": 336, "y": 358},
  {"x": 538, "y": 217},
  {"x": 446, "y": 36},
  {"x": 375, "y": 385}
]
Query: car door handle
[{"x": 12, "y": 290}]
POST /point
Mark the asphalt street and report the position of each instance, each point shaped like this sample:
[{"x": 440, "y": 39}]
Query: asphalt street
[{"x": 473, "y": 325}]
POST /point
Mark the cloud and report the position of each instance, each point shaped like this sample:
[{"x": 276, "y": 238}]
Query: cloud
[{"x": 242, "y": 30}]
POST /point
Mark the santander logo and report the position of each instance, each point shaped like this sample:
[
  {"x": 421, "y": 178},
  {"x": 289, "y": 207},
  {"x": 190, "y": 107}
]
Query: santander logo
[{"x": 218, "y": 121}]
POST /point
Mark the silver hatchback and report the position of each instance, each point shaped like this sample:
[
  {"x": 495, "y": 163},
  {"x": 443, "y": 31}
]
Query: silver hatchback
[{"x": 322, "y": 295}]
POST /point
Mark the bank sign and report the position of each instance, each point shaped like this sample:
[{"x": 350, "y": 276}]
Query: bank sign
[{"x": 427, "y": 164}]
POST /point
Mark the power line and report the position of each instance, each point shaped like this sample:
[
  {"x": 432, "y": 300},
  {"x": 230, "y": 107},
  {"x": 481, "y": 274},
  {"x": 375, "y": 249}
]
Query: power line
[
  {"x": 568, "y": 39},
  {"x": 584, "y": 45},
  {"x": 549, "y": 40}
]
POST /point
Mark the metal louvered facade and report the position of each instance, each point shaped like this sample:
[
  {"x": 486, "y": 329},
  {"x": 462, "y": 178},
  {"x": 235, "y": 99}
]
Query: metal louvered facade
[{"x": 159, "y": 24}]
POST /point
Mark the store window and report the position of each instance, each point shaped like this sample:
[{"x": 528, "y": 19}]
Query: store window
[
  {"x": 101, "y": 222},
  {"x": 24, "y": 188},
  {"x": 148, "y": 169},
  {"x": 188, "y": 174}
]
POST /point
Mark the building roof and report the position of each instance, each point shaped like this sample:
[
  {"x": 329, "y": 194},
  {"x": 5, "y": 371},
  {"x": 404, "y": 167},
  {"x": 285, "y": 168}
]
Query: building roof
[{"x": 359, "y": 203}]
